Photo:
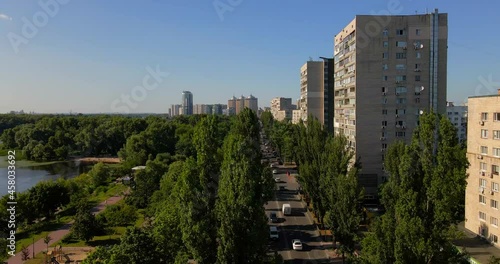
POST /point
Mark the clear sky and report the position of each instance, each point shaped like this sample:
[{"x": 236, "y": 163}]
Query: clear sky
[{"x": 87, "y": 55}]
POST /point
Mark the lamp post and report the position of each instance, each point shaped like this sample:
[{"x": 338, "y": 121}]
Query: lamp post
[{"x": 33, "y": 247}]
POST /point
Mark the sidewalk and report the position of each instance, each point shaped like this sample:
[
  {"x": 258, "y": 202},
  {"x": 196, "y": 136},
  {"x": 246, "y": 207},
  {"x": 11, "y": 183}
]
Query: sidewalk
[{"x": 60, "y": 233}]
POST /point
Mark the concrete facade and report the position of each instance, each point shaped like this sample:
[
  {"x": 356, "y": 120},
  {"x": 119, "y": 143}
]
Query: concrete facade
[
  {"x": 175, "y": 109},
  {"x": 316, "y": 92},
  {"x": 482, "y": 196},
  {"x": 281, "y": 108},
  {"x": 387, "y": 70},
  {"x": 457, "y": 114},
  {"x": 236, "y": 105}
]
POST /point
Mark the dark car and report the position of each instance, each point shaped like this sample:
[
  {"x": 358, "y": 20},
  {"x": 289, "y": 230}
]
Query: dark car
[{"x": 273, "y": 217}]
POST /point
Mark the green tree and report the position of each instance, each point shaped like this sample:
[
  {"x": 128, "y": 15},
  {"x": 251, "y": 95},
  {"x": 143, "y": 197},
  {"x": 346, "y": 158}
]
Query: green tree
[
  {"x": 99, "y": 174},
  {"x": 423, "y": 197},
  {"x": 136, "y": 247},
  {"x": 341, "y": 194},
  {"x": 120, "y": 215},
  {"x": 85, "y": 226},
  {"x": 242, "y": 232}
]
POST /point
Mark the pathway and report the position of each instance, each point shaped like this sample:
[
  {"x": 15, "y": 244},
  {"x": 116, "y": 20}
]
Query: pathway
[{"x": 60, "y": 233}]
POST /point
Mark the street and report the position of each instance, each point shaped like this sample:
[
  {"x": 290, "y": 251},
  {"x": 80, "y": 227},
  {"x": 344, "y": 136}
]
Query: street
[{"x": 299, "y": 225}]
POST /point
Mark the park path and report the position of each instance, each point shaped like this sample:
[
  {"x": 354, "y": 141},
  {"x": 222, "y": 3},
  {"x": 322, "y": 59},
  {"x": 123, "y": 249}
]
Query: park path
[{"x": 60, "y": 233}]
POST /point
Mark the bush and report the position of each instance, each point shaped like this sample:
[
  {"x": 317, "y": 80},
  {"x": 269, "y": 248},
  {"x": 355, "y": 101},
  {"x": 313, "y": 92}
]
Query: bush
[{"x": 120, "y": 215}]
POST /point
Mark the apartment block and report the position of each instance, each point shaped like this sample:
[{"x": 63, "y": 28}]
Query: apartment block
[
  {"x": 281, "y": 108},
  {"x": 236, "y": 105},
  {"x": 175, "y": 110},
  {"x": 482, "y": 194},
  {"x": 316, "y": 92},
  {"x": 388, "y": 70},
  {"x": 457, "y": 114}
]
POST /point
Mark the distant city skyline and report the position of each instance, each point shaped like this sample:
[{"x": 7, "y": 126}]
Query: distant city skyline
[{"x": 137, "y": 57}]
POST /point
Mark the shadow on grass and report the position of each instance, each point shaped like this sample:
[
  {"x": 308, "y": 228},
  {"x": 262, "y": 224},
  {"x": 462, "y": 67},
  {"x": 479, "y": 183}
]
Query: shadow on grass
[
  {"x": 38, "y": 228},
  {"x": 104, "y": 242}
]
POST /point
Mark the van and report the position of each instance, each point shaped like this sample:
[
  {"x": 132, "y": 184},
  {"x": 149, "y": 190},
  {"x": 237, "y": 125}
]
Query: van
[
  {"x": 287, "y": 209},
  {"x": 273, "y": 233}
]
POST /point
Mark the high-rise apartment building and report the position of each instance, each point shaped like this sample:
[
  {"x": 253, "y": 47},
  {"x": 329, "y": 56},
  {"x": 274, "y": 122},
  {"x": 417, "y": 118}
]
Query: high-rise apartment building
[
  {"x": 236, "y": 105},
  {"x": 187, "y": 103},
  {"x": 457, "y": 114},
  {"x": 482, "y": 194},
  {"x": 316, "y": 91},
  {"x": 252, "y": 103},
  {"x": 387, "y": 70},
  {"x": 281, "y": 108},
  {"x": 175, "y": 110}
]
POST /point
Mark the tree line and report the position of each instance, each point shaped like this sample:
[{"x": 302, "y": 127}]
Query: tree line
[{"x": 205, "y": 204}]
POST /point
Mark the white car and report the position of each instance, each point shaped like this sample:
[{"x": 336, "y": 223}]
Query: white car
[
  {"x": 296, "y": 244},
  {"x": 275, "y": 171},
  {"x": 277, "y": 180}
]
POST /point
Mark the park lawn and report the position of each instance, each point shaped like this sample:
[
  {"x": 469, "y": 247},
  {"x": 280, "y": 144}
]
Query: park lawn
[{"x": 108, "y": 239}]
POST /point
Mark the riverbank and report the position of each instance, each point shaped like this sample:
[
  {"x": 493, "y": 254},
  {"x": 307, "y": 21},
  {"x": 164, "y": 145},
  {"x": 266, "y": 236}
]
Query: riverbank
[{"x": 95, "y": 159}]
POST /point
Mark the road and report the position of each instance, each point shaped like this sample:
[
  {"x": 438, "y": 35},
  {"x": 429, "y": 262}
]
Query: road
[{"x": 298, "y": 225}]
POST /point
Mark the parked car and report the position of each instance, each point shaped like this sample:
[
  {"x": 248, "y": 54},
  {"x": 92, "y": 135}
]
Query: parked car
[
  {"x": 297, "y": 244},
  {"x": 273, "y": 217},
  {"x": 273, "y": 233},
  {"x": 275, "y": 171},
  {"x": 277, "y": 180}
]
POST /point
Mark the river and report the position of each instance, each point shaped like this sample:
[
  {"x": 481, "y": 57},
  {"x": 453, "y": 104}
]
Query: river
[{"x": 30, "y": 173}]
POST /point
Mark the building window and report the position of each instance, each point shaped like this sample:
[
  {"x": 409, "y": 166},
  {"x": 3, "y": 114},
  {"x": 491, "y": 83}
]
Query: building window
[
  {"x": 494, "y": 221},
  {"x": 386, "y": 44},
  {"x": 384, "y": 111},
  {"x": 418, "y": 31},
  {"x": 401, "y": 44},
  {"x": 384, "y": 100},
  {"x": 400, "y": 78},
  {"x": 418, "y": 67},
  {"x": 385, "y": 67},
  {"x": 400, "y": 32},
  {"x": 384, "y": 123},
  {"x": 495, "y": 169},
  {"x": 483, "y": 166},
  {"x": 484, "y": 133},
  {"x": 400, "y": 111},
  {"x": 496, "y": 152},
  {"x": 494, "y": 238},
  {"x": 400, "y": 134},
  {"x": 417, "y": 100},
  {"x": 401, "y": 101},
  {"x": 385, "y": 55},
  {"x": 385, "y": 78},
  {"x": 384, "y": 90},
  {"x": 400, "y": 66},
  {"x": 484, "y": 116},
  {"x": 417, "y": 78},
  {"x": 494, "y": 204},
  {"x": 484, "y": 150},
  {"x": 496, "y": 134},
  {"x": 494, "y": 186},
  {"x": 384, "y": 146},
  {"x": 400, "y": 55},
  {"x": 496, "y": 116},
  {"x": 482, "y": 199},
  {"x": 385, "y": 32},
  {"x": 482, "y": 216},
  {"x": 483, "y": 183},
  {"x": 418, "y": 55},
  {"x": 401, "y": 89}
]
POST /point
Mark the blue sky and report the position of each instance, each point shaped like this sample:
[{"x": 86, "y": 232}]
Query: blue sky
[{"x": 91, "y": 53}]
